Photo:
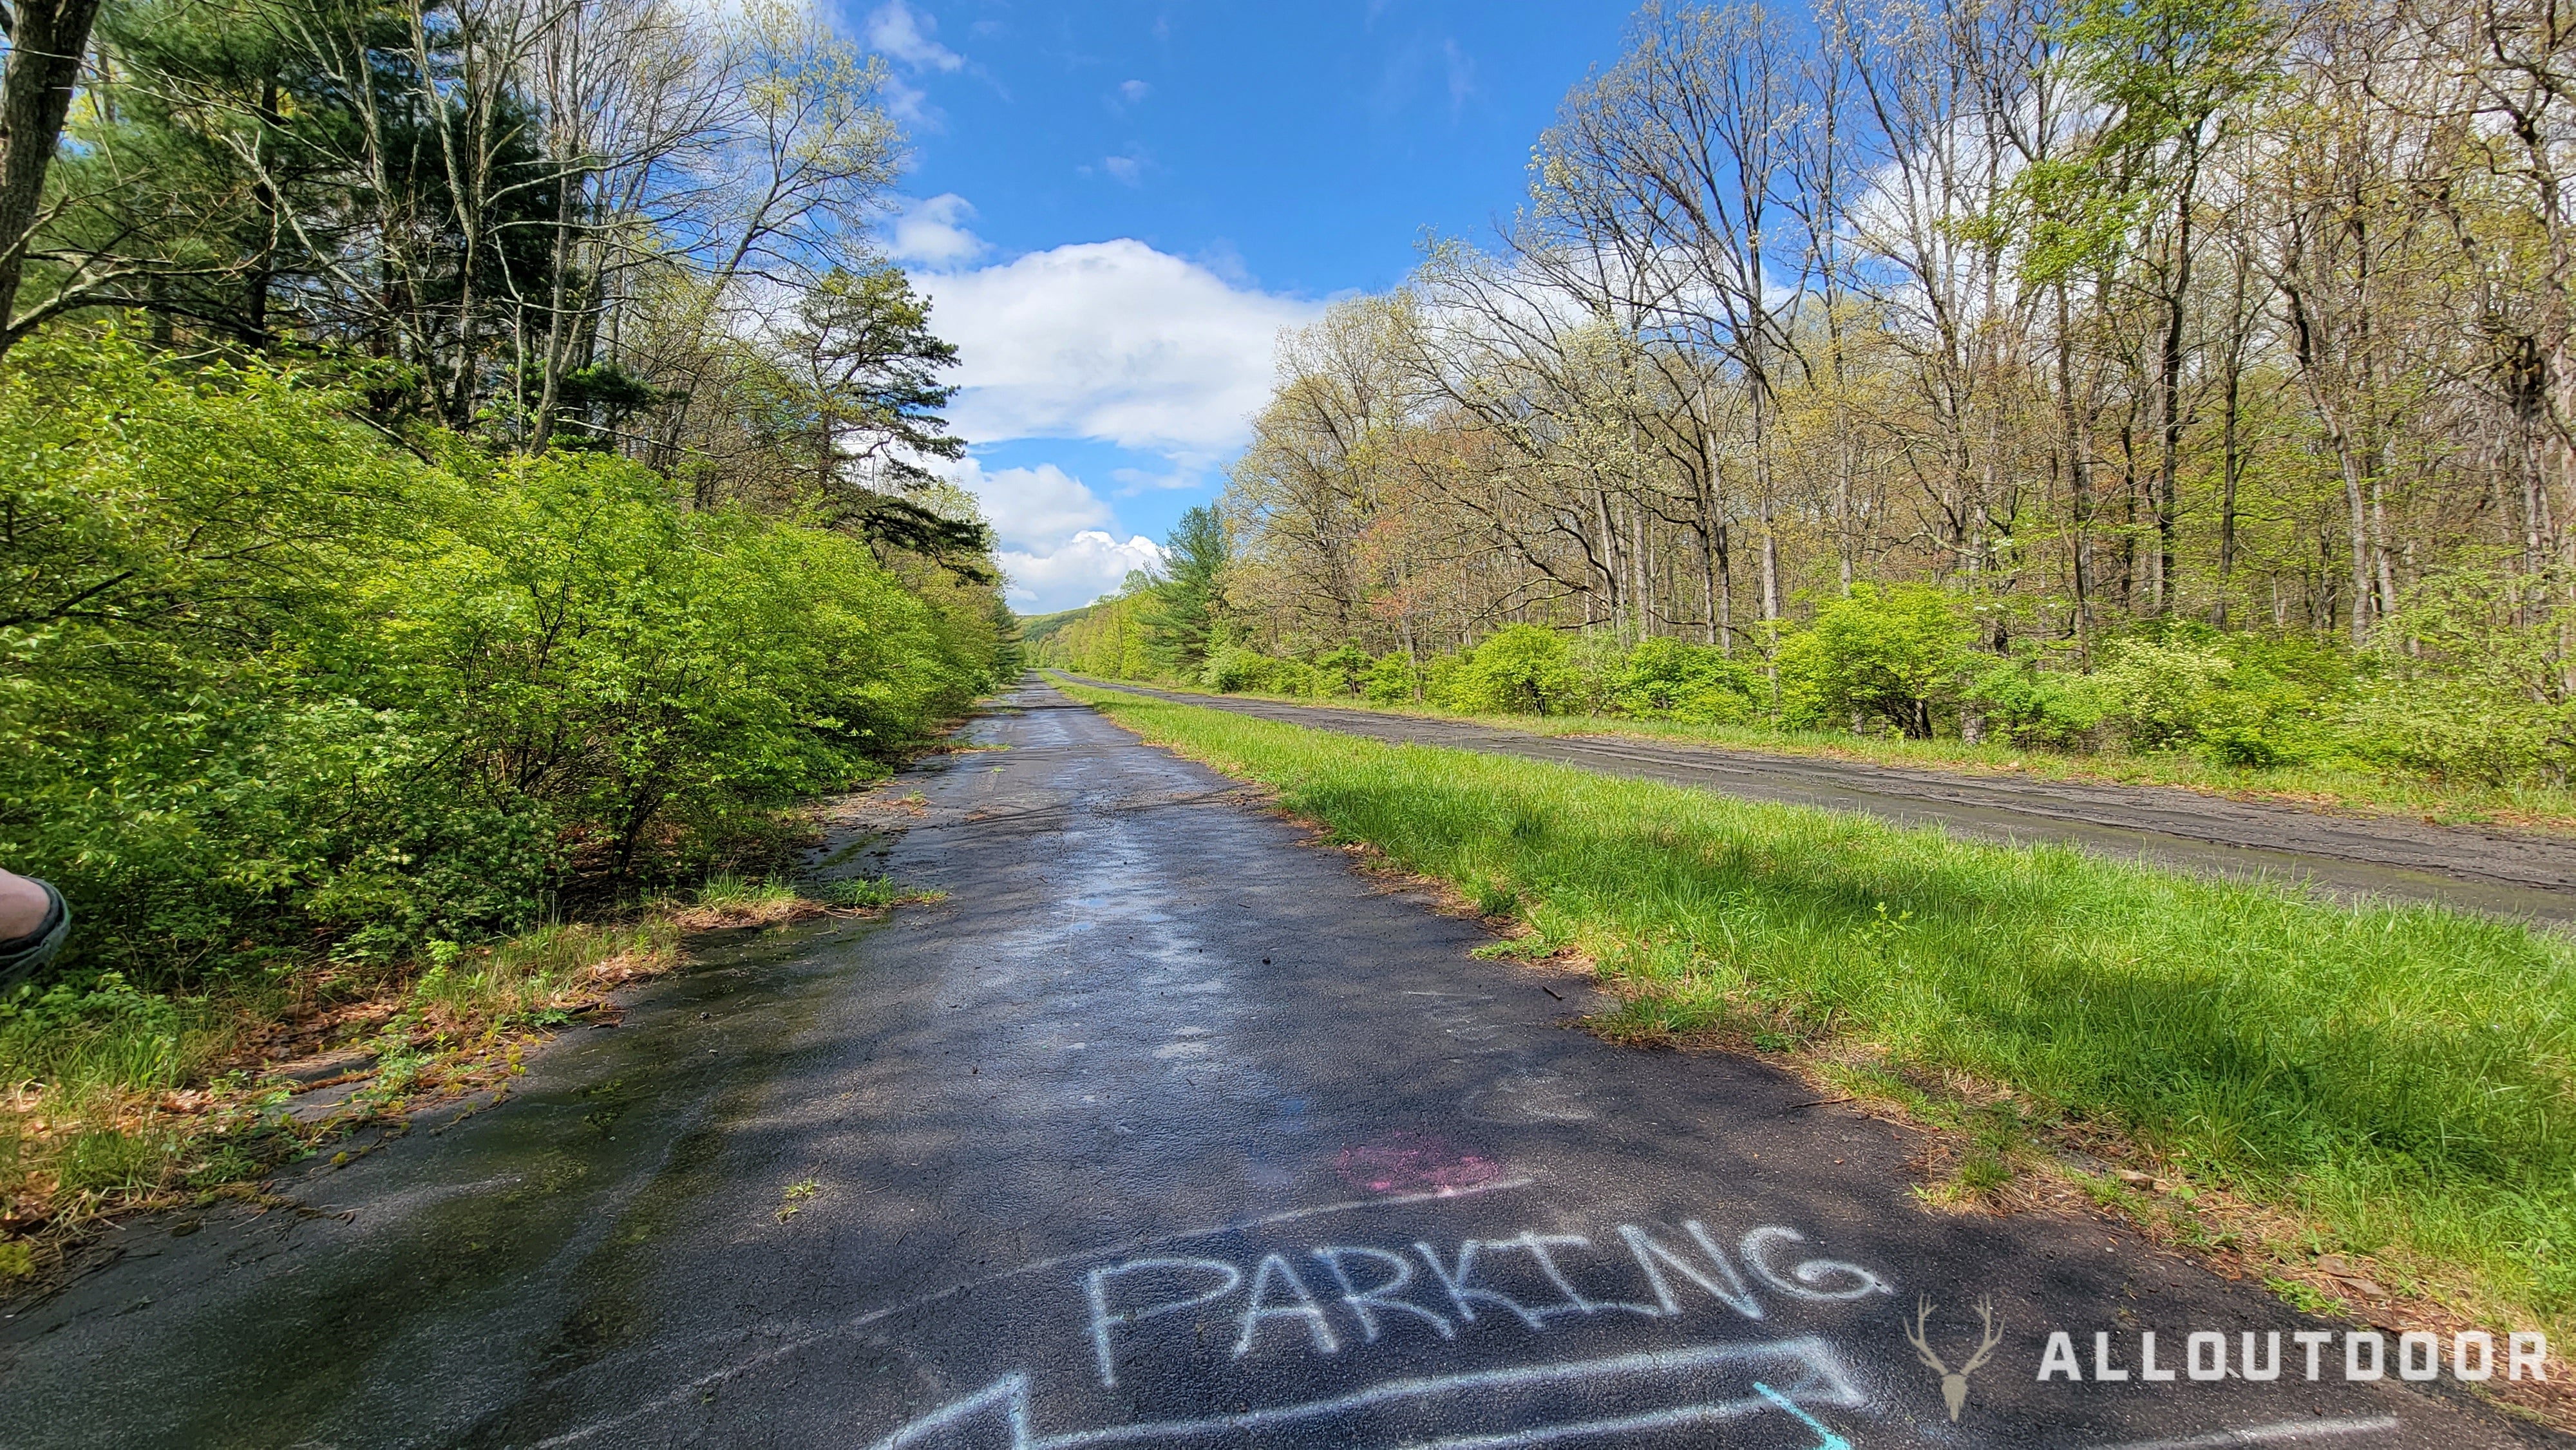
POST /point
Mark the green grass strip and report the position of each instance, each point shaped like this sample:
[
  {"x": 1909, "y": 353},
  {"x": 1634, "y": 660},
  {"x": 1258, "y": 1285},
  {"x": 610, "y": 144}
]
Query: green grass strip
[
  {"x": 2523, "y": 806},
  {"x": 2399, "y": 1074}
]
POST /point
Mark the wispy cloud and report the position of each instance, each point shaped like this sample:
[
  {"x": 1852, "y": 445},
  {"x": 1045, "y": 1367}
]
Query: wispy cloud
[
  {"x": 1462, "y": 75},
  {"x": 1124, "y": 168},
  {"x": 901, "y": 33},
  {"x": 912, "y": 104},
  {"x": 1421, "y": 67},
  {"x": 1187, "y": 471}
]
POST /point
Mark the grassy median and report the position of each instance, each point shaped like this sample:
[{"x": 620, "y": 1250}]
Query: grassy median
[
  {"x": 2397, "y": 1078},
  {"x": 2525, "y": 806}
]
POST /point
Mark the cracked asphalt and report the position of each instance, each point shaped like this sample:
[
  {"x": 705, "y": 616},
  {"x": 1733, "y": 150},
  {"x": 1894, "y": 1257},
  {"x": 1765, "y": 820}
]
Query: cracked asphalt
[
  {"x": 2503, "y": 872},
  {"x": 1163, "y": 1128}
]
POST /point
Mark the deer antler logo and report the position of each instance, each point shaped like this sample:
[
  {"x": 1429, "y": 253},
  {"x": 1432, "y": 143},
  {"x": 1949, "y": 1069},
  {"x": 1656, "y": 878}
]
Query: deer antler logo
[{"x": 1954, "y": 1382}]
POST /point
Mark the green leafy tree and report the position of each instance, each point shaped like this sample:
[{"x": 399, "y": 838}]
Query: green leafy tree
[
  {"x": 859, "y": 382},
  {"x": 1185, "y": 618},
  {"x": 1520, "y": 670},
  {"x": 1666, "y": 679},
  {"x": 1898, "y": 655},
  {"x": 2166, "y": 71}
]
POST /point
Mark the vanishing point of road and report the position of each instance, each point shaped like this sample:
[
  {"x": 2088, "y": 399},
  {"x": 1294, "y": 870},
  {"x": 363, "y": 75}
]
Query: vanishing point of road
[{"x": 1163, "y": 1129}]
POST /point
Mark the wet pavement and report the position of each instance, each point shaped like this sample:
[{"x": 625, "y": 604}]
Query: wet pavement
[
  {"x": 1163, "y": 1129},
  {"x": 2520, "y": 874}
]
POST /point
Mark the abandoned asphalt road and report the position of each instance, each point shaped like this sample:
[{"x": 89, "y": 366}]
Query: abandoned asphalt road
[
  {"x": 2507, "y": 873},
  {"x": 1162, "y": 1129}
]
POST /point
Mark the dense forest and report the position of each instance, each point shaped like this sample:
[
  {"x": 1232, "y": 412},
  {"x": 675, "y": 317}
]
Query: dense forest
[
  {"x": 459, "y": 459},
  {"x": 2163, "y": 373}
]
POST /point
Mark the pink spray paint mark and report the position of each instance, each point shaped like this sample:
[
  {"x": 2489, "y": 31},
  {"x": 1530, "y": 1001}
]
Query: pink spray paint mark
[{"x": 1413, "y": 1163}]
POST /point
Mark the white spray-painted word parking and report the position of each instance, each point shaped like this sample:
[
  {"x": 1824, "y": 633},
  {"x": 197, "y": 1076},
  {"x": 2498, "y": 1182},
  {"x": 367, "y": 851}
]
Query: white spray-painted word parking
[{"x": 1407, "y": 1308}]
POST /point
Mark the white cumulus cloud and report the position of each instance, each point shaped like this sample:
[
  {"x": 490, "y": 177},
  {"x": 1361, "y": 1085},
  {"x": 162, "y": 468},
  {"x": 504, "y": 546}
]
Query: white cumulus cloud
[
  {"x": 1053, "y": 532},
  {"x": 934, "y": 233},
  {"x": 1030, "y": 509},
  {"x": 1111, "y": 341},
  {"x": 1078, "y": 571},
  {"x": 902, "y": 33}
]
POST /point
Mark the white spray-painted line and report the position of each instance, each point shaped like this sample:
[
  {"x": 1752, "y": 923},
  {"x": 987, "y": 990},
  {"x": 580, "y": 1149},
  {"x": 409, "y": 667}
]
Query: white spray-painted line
[
  {"x": 2280, "y": 1433},
  {"x": 1824, "y": 1382},
  {"x": 803, "y": 1342},
  {"x": 1585, "y": 1429}
]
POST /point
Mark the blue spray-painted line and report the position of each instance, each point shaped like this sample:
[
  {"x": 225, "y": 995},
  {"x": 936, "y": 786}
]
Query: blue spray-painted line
[{"x": 1825, "y": 1439}]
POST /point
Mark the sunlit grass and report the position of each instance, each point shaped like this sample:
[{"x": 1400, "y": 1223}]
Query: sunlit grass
[
  {"x": 876, "y": 893},
  {"x": 497, "y": 986},
  {"x": 738, "y": 895},
  {"x": 2402, "y": 1077},
  {"x": 110, "y": 1096},
  {"x": 2531, "y": 806}
]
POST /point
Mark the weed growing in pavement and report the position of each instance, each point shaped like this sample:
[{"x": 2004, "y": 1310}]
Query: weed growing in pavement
[
  {"x": 876, "y": 893},
  {"x": 2400, "y": 1078},
  {"x": 792, "y": 1199},
  {"x": 736, "y": 895}
]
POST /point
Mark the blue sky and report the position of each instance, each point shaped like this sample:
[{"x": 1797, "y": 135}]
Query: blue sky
[{"x": 1115, "y": 207}]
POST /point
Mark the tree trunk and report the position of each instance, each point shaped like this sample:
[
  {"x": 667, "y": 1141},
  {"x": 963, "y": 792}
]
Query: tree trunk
[
  {"x": 2231, "y": 441},
  {"x": 45, "y": 48},
  {"x": 2162, "y": 586},
  {"x": 565, "y": 188},
  {"x": 2079, "y": 475}
]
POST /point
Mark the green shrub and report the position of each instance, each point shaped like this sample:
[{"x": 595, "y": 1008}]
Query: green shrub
[
  {"x": 2458, "y": 730},
  {"x": 1345, "y": 671},
  {"x": 1290, "y": 677},
  {"x": 2155, "y": 692},
  {"x": 2234, "y": 700},
  {"x": 1441, "y": 677},
  {"x": 275, "y": 686},
  {"x": 1666, "y": 679},
  {"x": 2035, "y": 707},
  {"x": 1232, "y": 667},
  {"x": 1521, "y": 670},
  {"x": 1392, "y": 680},
  {"x": 2481, "y": 697},
  {"x": 1599, "y": 658},
  {"x": 1899, "y": 655}
]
